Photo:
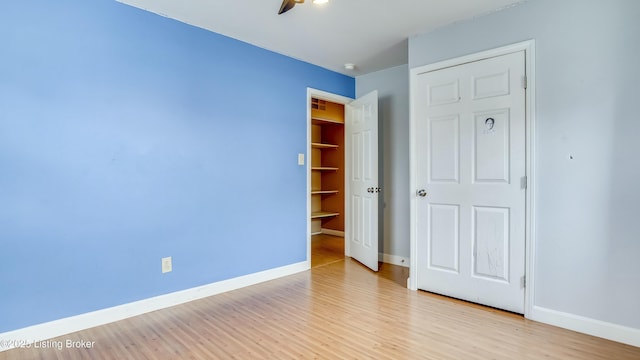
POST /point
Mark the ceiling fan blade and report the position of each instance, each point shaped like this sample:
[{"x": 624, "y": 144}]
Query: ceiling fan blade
[{"x": 288, "y": 5}]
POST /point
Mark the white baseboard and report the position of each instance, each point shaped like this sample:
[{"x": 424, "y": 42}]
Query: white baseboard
[
  {"x": 619, "y": 333},
  {"x": 332, "y": 232},
  {"x": 52, "y": 329},
  {"x": 393, "y": 259}
]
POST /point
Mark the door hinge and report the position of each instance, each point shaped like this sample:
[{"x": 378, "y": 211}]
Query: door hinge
[
  {"x": 523, "y": 182},
  {"x": 523, "y": 281},
  {"x": 525, "y": 82}
]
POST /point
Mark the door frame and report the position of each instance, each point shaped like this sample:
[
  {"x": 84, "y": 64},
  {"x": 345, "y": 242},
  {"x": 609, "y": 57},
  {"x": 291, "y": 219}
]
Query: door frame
[
  {"x": 339, "y": 99},
  {"x": 529, "y": 49}
]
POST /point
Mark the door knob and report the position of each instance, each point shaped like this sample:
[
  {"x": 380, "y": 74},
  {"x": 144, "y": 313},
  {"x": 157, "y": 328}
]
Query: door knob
[
  {"x": 421, "y": 192},
  {"x": 370, "y": 190}
]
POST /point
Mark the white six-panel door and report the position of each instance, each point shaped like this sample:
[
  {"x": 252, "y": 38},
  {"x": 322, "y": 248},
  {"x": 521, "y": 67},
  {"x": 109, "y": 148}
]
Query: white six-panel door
[
  {"x": 470, "y": 169},
  {"x": 362, "y": 179}
]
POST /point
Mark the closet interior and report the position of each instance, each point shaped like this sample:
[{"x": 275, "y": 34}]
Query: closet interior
[{"x": 327, "y": 167}]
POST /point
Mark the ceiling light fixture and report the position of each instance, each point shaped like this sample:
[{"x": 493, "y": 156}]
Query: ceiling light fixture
[
  {"x": 349, "y": 66},
  {"x": 320, "y": 2}
]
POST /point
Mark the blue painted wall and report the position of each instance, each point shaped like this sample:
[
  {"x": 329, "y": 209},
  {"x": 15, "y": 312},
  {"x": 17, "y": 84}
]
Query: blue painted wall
[{"x": 126, "y": 137}]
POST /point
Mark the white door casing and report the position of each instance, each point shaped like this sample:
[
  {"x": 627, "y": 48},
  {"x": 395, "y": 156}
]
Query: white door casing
[
  {"x": 362, "y": 179},
  {"x": 470, "y": 152}
]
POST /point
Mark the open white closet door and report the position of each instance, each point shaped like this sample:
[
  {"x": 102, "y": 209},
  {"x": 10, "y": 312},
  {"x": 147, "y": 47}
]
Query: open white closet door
[{"x": 362, "y": 179}]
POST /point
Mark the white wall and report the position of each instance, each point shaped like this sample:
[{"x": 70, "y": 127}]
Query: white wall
[
  {"x": 393, "y": 91},
  {"x": 587, "y": 218}
]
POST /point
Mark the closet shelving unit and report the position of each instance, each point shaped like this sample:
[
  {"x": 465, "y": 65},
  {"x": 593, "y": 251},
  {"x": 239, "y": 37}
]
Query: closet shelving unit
[{"x": 327, "y": 166}]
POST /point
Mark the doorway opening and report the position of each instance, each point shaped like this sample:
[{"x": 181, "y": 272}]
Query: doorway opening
[
  {"x": 327, "y": 159},
  {"x": 342, "y": 178}
]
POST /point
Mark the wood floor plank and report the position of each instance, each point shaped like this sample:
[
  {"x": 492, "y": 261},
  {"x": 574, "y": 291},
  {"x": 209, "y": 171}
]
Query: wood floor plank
[{"x": 338, "y": 310}]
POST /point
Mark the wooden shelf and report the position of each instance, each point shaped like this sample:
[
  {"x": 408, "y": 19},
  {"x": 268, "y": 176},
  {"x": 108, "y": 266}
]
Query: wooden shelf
[
  {"x": 319, "y": 192},
  {"x": 324, "y": 146},
  {"x": 324, "y": 121},
  {"x": 323, "y": 214},
  {"x": 324, "y": 168}
]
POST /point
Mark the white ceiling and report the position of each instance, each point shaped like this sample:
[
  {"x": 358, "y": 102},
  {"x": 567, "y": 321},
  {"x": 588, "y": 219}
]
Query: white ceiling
[{"x": 372, "y": 34}]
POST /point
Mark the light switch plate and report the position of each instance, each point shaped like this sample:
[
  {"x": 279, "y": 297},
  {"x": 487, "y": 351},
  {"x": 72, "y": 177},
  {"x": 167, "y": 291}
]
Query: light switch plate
[
  {"x": 166, "y": 265},
  {"x": 300, "y": 159}
]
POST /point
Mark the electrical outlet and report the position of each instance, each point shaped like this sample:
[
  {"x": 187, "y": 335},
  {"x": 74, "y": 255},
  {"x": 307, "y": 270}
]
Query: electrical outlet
[
  {"x": 166, "y": 265},
  {"x": 300, "y": 159}
]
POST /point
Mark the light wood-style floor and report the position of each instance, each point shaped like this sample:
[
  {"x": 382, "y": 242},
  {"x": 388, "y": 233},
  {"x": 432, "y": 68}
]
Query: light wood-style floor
[
  {"x": 326, "y": 249},
  {"x": 338, "y": 310}
]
